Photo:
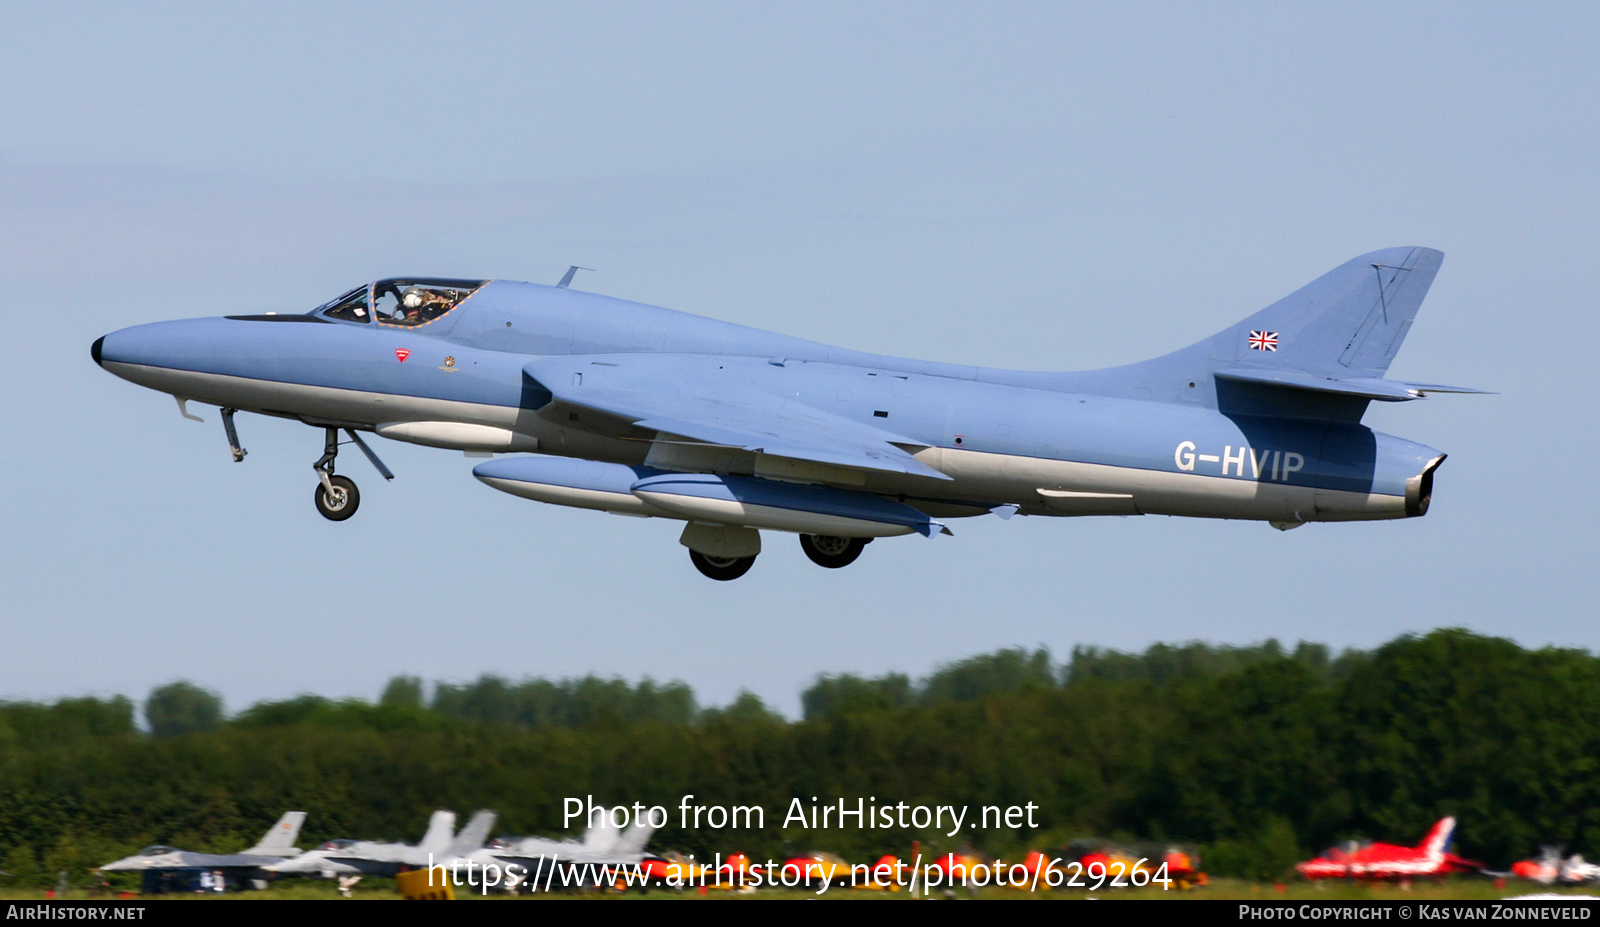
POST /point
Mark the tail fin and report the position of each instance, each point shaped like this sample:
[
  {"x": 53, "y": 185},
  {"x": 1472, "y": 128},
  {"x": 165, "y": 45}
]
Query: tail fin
[
  {"x": 280, "y": 837},
  {"x": 633, "y": 841},
  {"x": 1320, "y": 352},
  {"x": 474, "y": 835},
  {"x": 440, "y": 828},
  {"x": 601, "y": 837},
  {"x": 1349, "y": 322},
  {"x": 1438, "y": 839}
]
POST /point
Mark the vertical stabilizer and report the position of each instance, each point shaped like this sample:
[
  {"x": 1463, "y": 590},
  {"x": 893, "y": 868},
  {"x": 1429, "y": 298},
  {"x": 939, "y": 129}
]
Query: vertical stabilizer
[
  {"x": 280, "y": 837},
  {"x": 474, "y": 835},
  {"x": 601, "y": 837},
  {"x": 1349, "y": 322},
  {"x": 633, "y": 841},
  {"x": 441, "y": 827},
  {"x": 1438, "y": 839},
  {"x": 1313, "y": 353}
]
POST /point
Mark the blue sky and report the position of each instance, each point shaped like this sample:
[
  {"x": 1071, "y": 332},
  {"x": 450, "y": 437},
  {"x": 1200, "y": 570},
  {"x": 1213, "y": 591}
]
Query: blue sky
[{"x": 1041, "y": 186}]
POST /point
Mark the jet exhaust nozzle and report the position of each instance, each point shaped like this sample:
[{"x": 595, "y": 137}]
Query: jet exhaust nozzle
[{"x": 1419, "y": 488}]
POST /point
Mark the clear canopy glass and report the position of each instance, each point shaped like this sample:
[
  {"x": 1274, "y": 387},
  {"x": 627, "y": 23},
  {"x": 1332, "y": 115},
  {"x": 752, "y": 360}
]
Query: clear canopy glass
[{"x": 406, "y": 302}]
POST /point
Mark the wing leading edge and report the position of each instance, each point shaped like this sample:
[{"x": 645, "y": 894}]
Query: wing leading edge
[{"x": 722, "y": 401}]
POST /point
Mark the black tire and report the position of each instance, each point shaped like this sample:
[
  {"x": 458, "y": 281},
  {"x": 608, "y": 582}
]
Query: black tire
[
  {"x": 345, "y": 502},
  {"x": 721, "y": 568},
  {"x": 832, "y": 552}
]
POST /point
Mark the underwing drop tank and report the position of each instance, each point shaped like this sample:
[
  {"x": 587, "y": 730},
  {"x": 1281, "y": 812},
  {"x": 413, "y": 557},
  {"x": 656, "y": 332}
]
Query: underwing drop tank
[{"x": 744, "y": 501}]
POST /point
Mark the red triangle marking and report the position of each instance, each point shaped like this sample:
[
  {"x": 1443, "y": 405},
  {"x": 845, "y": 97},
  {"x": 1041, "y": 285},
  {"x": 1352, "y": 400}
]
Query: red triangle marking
[{"x": 402, "y": 354}]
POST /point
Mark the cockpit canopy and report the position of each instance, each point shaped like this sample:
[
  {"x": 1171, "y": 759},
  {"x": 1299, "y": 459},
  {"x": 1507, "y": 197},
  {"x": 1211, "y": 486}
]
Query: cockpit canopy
[
  {"x": 402, "y": 301},
  {"x": 159, "y": 850},
  {"x": 343, "y": 843}
]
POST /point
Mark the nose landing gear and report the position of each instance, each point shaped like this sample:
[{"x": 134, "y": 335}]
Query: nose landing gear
[{"x": 337, "y": 497}]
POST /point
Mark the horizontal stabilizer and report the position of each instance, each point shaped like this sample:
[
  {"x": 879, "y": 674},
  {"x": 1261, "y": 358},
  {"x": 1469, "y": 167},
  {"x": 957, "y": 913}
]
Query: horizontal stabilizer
[
  {"x": 1425, "y": 388},
  {"x": 1361, "y": 387}
]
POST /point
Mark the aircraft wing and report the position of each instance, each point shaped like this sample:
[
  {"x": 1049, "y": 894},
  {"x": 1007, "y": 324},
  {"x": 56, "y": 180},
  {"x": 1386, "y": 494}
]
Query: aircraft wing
[{"x": 725, "y": 401}]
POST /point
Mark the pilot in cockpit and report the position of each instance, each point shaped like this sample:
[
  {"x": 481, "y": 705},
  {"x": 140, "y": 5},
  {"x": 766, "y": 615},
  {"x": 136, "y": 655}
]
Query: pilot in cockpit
[{"x": 422, "y": 305}]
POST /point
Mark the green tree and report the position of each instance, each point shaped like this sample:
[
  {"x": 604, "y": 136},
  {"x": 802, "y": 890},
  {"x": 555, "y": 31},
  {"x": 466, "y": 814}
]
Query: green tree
[
  {"x": 181, "y": 707},
  {"x": 23, "y": 865},
  {"x": 1505, "y": 739},
  {"x": 748, "y": 708},
  {"x": 1268, "y": 853},
  {"x": 1002, "y": 671},
  {"x": 832, "y": 696},
  {"x": 403, "y": 692}
]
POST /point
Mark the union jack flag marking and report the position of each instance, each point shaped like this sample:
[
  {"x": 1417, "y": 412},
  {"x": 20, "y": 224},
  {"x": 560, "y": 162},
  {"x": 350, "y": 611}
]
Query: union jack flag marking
[{"x": 1264, "y": 341}]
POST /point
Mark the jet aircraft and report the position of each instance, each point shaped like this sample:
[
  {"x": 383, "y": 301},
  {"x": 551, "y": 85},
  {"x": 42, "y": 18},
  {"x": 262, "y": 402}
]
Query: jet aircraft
[
  {"x": 360, "y": 857},
  {"x": 273, "y": 847},
  {"x": 601, "y": 845},
  {"x": 1549, "y": 868},
  {"x": 638, "y": 410},
  {"x": 1431, "y": 857}
]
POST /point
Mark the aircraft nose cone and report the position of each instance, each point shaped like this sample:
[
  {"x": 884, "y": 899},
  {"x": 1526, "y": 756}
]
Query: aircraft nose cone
[{"x": 94, "y": 349}]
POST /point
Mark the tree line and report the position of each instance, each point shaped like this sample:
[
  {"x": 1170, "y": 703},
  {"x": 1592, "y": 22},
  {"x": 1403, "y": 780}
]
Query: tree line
[{"x": 1256, "y": 755}]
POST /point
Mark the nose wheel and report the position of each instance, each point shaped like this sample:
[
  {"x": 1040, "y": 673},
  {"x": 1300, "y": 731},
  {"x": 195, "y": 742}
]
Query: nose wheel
[{"x": 338, "y": 499}]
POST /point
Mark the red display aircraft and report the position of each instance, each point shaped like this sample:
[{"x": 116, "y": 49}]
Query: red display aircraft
[{"x": 1431, "y": 857}]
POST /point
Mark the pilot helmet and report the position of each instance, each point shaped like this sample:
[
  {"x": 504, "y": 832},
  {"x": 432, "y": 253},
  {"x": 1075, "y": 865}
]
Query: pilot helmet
[{"x": 412, "y": 297}]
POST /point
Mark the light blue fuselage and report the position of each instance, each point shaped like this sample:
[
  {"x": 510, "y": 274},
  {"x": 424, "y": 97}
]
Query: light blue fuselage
[{"x": 1154, "y": 438}]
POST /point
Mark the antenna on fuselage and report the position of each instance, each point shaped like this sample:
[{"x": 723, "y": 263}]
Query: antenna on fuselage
[{"x": 566, "y": 279}]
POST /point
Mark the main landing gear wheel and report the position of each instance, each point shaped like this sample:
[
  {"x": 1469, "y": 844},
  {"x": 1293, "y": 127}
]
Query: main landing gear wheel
[
  {"x": 342, "y": 502},
  {"x": 721, "y": 568},
  {"x": 825, "y": 550}
]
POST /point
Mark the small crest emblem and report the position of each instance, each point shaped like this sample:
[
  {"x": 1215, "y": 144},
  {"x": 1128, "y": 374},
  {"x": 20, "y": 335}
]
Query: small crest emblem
[
  {"x": 401, "y": 354},
  {"x": 449, "y": 361},
  {"x": 1263, "y": 341}
]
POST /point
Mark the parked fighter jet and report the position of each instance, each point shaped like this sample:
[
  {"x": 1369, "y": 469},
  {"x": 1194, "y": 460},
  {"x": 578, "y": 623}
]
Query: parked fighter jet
[
  {"x": 1431, "y": 857},
  {"x": 1550, "y": 868},
  {"x": 600, "y": 846},
  {"x": 644, "y": 411},
  {"x": 358, "y": 857},
  {"x": 603, "y": 844},
  {"x": 276, "y": 844}
]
